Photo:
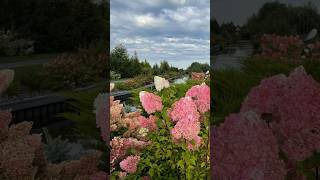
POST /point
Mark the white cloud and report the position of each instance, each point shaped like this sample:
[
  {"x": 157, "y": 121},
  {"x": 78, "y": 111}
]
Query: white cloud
[
  {"x": 148, "y": 21},
  {"x": 173, "y": 30}
]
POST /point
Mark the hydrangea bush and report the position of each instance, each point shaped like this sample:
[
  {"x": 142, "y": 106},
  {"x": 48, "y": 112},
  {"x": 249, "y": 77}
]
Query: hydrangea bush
[
  {"x": 288, "y": 47},
  {"x": 22, "y": 155},
  {"x": 276, "y": 47},
  {"x": 275, "y": 132},
  {"x": 167, "y": 137}
]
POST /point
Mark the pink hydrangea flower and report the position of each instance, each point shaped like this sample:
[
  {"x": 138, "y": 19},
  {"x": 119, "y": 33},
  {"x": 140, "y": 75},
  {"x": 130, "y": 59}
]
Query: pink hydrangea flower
[
  {"x": 122, "y": 175},
  {"x": 185, "y": 108},
  {"x": 150, "y": 102},
  {"x": 276, "y": 47},
  {"x": 187, "y": 129},
  {"x": 149, "y": 123},
  {"x": 119, "y": 147},
  {"x": 130, "y": 164},
  {"x": 291, "y": 106},
  {"x": 243, "y": 147},
  {"x": 184, "y": 113},
  {"x": 102, "y": 115},
  {"x": 201, "y": 95}
]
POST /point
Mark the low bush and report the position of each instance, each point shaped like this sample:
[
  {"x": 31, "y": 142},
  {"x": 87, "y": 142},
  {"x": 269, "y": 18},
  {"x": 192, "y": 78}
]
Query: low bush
[
  {"x": 12, "y": 45},
  {"x": 77, "y": 69}
]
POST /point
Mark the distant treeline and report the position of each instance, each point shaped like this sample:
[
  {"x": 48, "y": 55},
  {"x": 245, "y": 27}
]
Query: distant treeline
[
  {"x": 55, "y": 25},
  {"x": 282, "y": 19},
  {"x": 130, "y": 66},
  {"x": 127, "y": 67},
  {"x": 272, "y": 18},
  {"x": 225, "y": 33}
]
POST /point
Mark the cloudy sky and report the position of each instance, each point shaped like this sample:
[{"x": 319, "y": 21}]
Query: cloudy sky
[
  {"x": 238, "y": 11},
  {"x": 174, "y": 30}
]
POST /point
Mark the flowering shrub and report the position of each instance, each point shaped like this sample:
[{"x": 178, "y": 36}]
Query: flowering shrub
[
  {"x": 284, "y": 117},
  {"x": 73, "y": 70},
  {"x": 22, "y": 155},
  {"x": 168, "y": 138},
  {"x": 276, "y": 47},
  {"x": 314, "y": 50},
  {"x": 133, "y": 83},
  {"x": 244, "y": 148},
  {"x": 198, "y": 76}
]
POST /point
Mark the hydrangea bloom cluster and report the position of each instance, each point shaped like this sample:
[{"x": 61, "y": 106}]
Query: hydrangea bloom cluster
[
  {"x": 135, "y": 136},
  {"x": 201, "y": 96},
  {"x": 244, "y": 148},
  {"x": 286, "y": 118},
  {"x": 291, "y": 105},
  {"x": 150, "y": 102},
  {"x": 149, "y": 123},
  {"x": 315, "y": 50},
  {"x": 120, "y": 146},
  {"x": 185, "y": 113},
  {"x": 130, "y": 164},
  {"x": 276, "y": 47},
  {"x": 160, "y": 83},
  {"x": 198, "y": 76}
]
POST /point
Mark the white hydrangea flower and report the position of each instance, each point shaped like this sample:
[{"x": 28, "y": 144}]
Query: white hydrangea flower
[
  {"x": 160, "y": 83},
  {"x": 111, "y": 86}
]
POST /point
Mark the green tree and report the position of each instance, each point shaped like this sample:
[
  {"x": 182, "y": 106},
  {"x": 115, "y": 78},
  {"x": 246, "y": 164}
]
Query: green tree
[
  {"x": 281, "y": 19},
  {"x": 198, "y": 67},
  {"x": 119, "y": 60},
  {"x": 156, "y": 69},
  {"x": 164, "y": 67},
  {"x": 55, "y": 25}
]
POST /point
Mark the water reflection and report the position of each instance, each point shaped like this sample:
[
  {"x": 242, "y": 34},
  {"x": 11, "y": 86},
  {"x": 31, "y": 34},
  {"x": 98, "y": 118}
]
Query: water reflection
[
  {"x": 181, "y": 80},
  {"x": 232, "y": 56}
]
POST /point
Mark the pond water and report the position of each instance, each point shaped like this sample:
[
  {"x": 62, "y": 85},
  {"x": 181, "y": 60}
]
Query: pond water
[
  {"x": 232, "y": 56},
  {"x": 181, "y": 80}
]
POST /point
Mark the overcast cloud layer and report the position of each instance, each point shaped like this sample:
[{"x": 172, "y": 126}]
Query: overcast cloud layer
[
  {"x": 174, "y": 30},
  {"x": 238, "y": 11}
]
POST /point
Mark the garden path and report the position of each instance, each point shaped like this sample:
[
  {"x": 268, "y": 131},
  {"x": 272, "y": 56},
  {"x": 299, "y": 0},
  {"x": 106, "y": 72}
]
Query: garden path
[{"x": 24, "y": 63}]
